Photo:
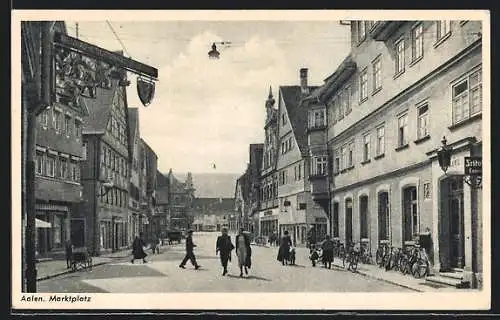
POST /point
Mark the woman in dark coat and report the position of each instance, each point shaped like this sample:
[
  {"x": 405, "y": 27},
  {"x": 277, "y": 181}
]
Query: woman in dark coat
[
  {"x": 138, "y": 249},
  {"x": 243, "y": 251},
  {"x": 284, "y": 250}
]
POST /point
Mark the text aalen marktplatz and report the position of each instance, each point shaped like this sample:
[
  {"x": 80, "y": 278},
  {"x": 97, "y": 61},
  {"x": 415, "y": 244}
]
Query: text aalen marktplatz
[{"x": 56, "y": 298}]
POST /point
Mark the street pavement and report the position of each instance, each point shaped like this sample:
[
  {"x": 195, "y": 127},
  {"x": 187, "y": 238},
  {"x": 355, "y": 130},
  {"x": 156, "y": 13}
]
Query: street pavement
[{"x": 162, "y": 274}]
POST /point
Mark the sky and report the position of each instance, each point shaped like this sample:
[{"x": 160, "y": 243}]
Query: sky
[{"x": 204, "y": 111}]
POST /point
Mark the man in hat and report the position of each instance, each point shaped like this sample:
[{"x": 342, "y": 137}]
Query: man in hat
[
  {"x": 189, "y": 252},
  {"x": 224, "y": 246}
]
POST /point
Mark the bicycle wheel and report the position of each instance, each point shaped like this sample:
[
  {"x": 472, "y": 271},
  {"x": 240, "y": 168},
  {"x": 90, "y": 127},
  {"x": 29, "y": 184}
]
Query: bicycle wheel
[
  {"x": 354, "y": 264},
  {"x": 419, "y": 268}
]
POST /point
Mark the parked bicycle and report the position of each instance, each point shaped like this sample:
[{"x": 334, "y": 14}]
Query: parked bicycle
[
  {"x": 351, "y": 258},
  {"x": 382, "y": 254},
  {"x": 365, "y": 254}
]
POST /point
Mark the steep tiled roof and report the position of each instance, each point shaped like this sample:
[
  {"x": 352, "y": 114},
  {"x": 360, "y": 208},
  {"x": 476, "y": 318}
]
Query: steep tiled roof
[
  {"x": 99, "y": 109},
  {"x": 292, "y": 97},
  {"x": 161, "y": 180},
  {"x": 162, "y": 195},
  {"x": 176, "y": 186},
  {"x": 243, "y": 182}
]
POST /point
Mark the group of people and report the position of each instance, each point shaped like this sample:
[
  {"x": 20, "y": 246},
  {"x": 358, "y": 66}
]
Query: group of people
[{"x": 224, "y": 247}]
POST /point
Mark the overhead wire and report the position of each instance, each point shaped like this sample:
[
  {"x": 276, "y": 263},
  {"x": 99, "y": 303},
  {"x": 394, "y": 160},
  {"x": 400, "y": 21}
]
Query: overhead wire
[{"x": 118, "y": 38}]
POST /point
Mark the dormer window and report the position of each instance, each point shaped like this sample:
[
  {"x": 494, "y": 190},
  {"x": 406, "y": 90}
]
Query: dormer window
[{"x": 317, "y": 118}]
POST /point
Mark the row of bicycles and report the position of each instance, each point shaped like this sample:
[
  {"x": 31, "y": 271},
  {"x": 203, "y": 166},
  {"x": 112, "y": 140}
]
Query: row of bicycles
[{"x": 412, "y": 260}]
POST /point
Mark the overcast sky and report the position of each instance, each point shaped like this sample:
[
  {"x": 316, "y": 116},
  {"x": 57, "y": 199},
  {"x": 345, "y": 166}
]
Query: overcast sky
[{"x": 207, "y": 111}]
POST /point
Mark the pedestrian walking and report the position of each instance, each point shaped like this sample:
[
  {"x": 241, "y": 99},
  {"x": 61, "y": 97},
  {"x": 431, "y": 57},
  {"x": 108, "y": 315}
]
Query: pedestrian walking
[
  {"x": 69, "y": 253},
  {"x": 314, "y": 256},
  {"x": 284, "y": 249},
  {"x": 243, "y": 251},
  {"x": 311, "y": 237},
  {"x": 138, "y": 249},
  {"x": 189, "y": 252},
  {"x": 327, "y": 247},
  {"x": 224, "y": 246}
]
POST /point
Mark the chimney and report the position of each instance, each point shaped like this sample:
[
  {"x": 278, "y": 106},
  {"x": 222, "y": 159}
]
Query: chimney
[{"x": 303, "y": 81}]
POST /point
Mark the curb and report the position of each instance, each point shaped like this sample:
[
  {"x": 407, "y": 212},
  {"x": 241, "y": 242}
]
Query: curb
[
  {"x": 50, "y": 276},
  {"x": 368, "y": 275}
]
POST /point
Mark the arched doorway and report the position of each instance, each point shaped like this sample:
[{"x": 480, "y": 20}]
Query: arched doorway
[
  {"x": 383, "y": 216},
  {"x": 348, "y": 221},
  {"x": 451, "y": 223},
  {"x": 363, "y": 216}
]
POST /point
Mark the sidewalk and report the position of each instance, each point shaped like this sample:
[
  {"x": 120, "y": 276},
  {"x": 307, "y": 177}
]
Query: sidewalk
[
  {"x": 53, "y": 268},
  {"x": 373, "y": 271}
]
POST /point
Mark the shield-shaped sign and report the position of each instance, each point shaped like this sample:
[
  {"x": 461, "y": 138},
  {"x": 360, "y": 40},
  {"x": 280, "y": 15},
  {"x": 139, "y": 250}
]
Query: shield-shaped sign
[{"x": 145, "y": 90}]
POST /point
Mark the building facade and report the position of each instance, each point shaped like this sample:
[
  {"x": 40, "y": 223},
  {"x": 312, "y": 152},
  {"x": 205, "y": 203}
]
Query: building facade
[
  {"x": 58, "y": 187},
  {"x": 147, "y": 186},
  {"x": 211, "y": 214},
  {"x": 405, "y": 85},
  {"x": 161, "y": 216},
  {"x": 298, "y": 211},
  {"x": 268, "y": 207},
  {"x": 107, "y": 151},
  {"x": 181, "y": 196},
  {"x": 134, "y": 203}
]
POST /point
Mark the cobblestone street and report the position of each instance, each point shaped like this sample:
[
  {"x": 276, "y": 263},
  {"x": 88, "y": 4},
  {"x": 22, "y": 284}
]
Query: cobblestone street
[{"x": 162, "y": 274}]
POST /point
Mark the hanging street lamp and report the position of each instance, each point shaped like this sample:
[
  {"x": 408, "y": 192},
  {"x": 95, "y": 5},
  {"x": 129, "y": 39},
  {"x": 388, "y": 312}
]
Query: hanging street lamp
[{"x": 473, "y": 166}]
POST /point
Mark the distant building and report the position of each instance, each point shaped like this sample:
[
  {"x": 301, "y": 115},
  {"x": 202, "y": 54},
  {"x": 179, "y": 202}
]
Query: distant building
[
  {"x": 181, "y": 196},
  {"x": 247, "y": 201},
  {"x": 134, "y": 203},
  {"x": 147, "y": 183},
  {"x": 161, "y": 216},
  {"x": 211, "y": 214},
  {"x": 268, "y": 185}
]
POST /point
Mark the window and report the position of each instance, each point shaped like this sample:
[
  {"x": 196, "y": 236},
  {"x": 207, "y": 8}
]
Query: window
[
  {"x": 40, "y": 163},
  {"x": 403, "y": 130},
  {"x": 346, "y": 100},
  {"x": 363, "y": 85},
  {"x": 75, "y": 174},
  {"x": 467, "y": 97},
  {"x": 85, "y": 151},
  {"x": 340, "y": 107},
  {"x": 283, "y": 119},
  {"x": 343, "y": 153},
  {"x": 336, "y": 165},
  {"x": 78, "y": 128},
  {"x": 366, "y": 147},
  {"x": 317, "y": 118},
  {"x": 57, "y": 230},
  {"x": 350, "y": 155},
  {"x": 319, "y": 166},
  {"x": 63, "y": 168},
  {"x": 423, "y": 121},
  {"x": 51, "y": 166},
  {"x": 380, "y": 140},
  {"x": 427, "y": 190},
  {"x": 377, "y": 74},
  {"x": 299, "y": 172},
  {"x": 302, "y": 206},
  {"x": 58, "y": 120},
  {"x": 67, "y": 125},
  {"x": 400, "y": 56},
  {"x": 410, "y": 211},
  {"x": 417, "y": 42},
  {"x": 443, "y": 28},
  {"x": 44, "y": 118},
  {"x": 361, "y": 31}
]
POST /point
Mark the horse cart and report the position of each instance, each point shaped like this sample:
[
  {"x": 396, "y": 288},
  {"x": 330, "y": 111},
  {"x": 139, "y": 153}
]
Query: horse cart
[{"x": 81, "y": 259}]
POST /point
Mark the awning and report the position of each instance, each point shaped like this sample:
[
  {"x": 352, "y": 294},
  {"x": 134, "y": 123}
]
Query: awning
[{"x": 42, "y": 224}]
